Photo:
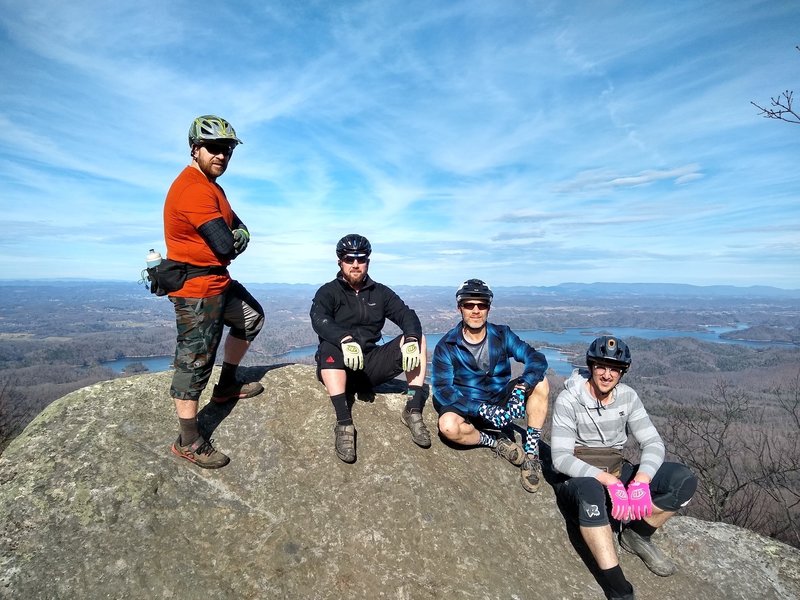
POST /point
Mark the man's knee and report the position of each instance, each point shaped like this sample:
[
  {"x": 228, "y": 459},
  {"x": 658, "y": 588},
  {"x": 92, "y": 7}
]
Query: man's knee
[
  {"x": 675, "y": 485},
  {"x": 451, "y": 425}
]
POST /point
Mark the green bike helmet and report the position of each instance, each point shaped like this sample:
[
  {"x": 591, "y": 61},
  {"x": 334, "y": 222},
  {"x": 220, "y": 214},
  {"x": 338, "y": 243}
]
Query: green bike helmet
[{"x": 210, "y": 128}]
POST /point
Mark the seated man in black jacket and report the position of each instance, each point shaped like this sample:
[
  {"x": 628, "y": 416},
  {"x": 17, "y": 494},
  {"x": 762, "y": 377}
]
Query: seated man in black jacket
[{"x": 348, "y": 315}]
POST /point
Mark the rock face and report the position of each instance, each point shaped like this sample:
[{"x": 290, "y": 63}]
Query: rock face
[{"x": 93, "y": 505}]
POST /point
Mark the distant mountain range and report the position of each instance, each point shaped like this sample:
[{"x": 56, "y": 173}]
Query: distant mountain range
[{"x": 566, "y": 289}]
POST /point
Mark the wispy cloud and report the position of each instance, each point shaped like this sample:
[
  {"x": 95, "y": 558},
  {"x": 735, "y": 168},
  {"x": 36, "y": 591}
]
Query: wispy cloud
[{"x": 465, "y": 138}]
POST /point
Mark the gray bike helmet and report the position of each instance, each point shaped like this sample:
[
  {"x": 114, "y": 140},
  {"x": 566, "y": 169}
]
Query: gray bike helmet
[
  {"x": 611, "y": 350},
  {"x": 474, "y": 289},
  {"x": 210, "y": 128},
  {"x": 353, "y": 245}
]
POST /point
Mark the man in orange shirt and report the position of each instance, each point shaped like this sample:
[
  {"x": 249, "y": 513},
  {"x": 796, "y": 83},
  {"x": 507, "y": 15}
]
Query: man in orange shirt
[{"x": 203, "y": 233}]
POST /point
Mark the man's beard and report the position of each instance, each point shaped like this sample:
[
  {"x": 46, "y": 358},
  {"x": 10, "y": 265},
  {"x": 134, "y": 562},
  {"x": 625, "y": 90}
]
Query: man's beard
[{"x": 355, "y": 278}]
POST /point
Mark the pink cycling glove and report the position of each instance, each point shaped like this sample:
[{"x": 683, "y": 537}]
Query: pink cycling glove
[
  {"x": 639, "y": 500},
  {"x": 619, "y": 501}
]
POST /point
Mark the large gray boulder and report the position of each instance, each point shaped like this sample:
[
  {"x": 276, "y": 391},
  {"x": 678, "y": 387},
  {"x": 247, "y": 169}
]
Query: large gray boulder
[{"x": 93, "y": 505}]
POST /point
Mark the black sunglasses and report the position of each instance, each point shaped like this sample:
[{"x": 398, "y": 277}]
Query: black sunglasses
[
  {"x": 351, "y": 259},
  {"x": 474, "y": 305},
  {"x": 226, "y": 149}
]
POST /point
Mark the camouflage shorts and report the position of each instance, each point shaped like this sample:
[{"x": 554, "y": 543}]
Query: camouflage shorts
[{"x": 199, "y": 323}]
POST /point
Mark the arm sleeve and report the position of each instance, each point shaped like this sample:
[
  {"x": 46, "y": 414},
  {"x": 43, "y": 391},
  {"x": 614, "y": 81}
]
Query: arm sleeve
[
  {"x": 322, "y": 318},
  {"x": 562, "y": 440},
  {"x": 442, "y": 383},
  {"x": 643, "y": 430},
  {"x": 219, "y": 238},
  {"x": 237, "y": 223}
]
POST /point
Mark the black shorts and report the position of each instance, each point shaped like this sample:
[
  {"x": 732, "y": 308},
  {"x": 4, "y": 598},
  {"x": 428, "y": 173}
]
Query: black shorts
[
  {"x": 381, "y": 363},
  {"x": 585, "y": 501}
]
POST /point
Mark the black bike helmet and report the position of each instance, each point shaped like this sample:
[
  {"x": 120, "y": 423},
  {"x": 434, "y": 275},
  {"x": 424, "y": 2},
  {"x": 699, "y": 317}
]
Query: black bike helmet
[
  {"x": 353, "y": 245},
  {"x": 474, "y": 289},
  {"x": 611, "y": 350},
  {"x": 210, "y": 128}
]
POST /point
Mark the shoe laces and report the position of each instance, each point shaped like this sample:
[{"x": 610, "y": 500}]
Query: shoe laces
[{"x": 206, "y": 448}]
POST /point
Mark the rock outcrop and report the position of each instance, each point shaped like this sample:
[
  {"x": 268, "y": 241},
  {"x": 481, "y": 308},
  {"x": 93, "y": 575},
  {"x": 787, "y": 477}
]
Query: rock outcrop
[{"x": 93, "y": 505}]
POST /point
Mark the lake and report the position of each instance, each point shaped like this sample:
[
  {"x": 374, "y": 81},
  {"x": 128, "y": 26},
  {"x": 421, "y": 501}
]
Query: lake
[{"x": 542, "y": 340}]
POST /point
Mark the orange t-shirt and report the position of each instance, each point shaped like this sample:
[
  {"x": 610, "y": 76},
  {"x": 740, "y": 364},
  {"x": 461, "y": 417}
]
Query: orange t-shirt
[{"x": 193, "y": 200}]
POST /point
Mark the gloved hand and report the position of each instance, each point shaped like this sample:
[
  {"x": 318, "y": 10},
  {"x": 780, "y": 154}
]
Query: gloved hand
[
  {"x": 619, "y": 501},
  {"x": 639, "y": 500},
  {"x": 353, "y": 356},
  {"x": 496, "y": 415},
  {"x": 516, "y": 403},
  {"x": 411, "y": 355},
  {"x": 241, "y": 237}
]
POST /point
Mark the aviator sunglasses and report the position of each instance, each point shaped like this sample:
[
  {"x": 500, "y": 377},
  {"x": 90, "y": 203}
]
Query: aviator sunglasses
[
  {"x": 474, "y": 305},
  {"x": 351, "y": 259},
  {"x": 226, "y": 149}
]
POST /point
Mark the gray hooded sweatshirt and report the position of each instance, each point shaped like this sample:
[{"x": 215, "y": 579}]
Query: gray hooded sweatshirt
[{"x": 580, "y": 420}]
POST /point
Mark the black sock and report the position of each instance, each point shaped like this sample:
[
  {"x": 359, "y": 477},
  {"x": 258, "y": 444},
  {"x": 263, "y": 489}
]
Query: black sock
[
  {"x": 228, "y": 375},
  {"x": 643, "y": 528},
  {"x": 342, "y": 408},
  {"x": 189, "y": 431},
  {"x": 614, "y": 580},
  {"x": 415, "y": 398}
]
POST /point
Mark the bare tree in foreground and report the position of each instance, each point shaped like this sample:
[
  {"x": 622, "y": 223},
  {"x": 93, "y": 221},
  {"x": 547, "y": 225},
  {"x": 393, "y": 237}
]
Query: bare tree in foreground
[
  {"x": 782, "y": 107},
  {"x": 746, "y": 455}
]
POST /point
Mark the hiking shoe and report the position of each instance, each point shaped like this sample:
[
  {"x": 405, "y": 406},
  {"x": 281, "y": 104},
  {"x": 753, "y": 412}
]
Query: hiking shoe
[
  {"x": 236, "y": 391},
  {"x": 346, "y": 442},
  {"x": 201, "y": 453},
  {"x": 630, "y": 596},
  {"x": 419, "y": 433},
  {"x": 530, "y": 473},
  {"x": 509, "y": 450},
  {"x": 641, "y": 546}
]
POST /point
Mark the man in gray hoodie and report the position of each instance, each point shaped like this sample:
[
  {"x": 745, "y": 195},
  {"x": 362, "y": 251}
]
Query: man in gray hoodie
[{"x": 591, "y": 421}]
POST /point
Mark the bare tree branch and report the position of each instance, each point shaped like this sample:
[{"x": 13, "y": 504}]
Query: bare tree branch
[{"x": 782, "y": 108}]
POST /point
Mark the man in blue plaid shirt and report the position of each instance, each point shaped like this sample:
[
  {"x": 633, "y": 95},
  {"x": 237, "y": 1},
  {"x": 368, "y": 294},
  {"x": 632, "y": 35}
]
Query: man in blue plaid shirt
[{"x": 473, "y": 391}]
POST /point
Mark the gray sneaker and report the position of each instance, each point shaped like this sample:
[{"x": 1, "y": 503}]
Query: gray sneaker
[
  {"x": 419, "y": 432},
  {"x": 651, "y": 556},
  {"x": 530, "y": 473},
  {"x": 509, "y": 450},
  {"x": 201, "y": 453},
  {"x": 345, "y": 442}
]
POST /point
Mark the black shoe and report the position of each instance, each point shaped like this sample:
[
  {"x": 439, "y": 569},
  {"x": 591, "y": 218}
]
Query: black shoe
[
  {"x": 419, "y": 432},
  {"x": 651, "y": 556},
  {"x": 346, "y": 442},
  {"x": 530, "y": 473}
]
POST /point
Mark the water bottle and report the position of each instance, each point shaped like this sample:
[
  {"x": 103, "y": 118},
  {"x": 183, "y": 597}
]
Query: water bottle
[{"x": 153, "y": 259}]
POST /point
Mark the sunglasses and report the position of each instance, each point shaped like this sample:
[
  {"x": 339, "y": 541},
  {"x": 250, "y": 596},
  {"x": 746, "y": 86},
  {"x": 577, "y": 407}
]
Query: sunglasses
[
  {"x": 214, "y": 149},
  {"x": 474, "y": 305},
  {"x": 351, "y": 259}
]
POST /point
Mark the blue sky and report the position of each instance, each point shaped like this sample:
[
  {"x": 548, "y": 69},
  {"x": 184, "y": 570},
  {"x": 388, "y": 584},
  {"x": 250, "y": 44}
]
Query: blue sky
[{"x": 525, "y": 143}]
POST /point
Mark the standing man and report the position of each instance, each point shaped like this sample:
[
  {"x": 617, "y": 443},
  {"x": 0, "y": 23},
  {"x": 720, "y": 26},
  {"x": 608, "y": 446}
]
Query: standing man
[
  {"x": 472, "y": 386},
  {"x": 348, "y": 315},
  {"x": 590, "y": 420},
  {"x": 203, "y": 236}
]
